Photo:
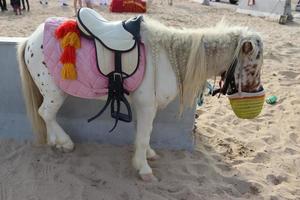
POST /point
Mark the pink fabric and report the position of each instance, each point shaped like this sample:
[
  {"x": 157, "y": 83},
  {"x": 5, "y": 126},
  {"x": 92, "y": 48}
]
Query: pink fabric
[{"x": 90, "y": 82}]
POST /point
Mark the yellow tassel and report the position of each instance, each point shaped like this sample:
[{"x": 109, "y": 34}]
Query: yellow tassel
[
  {"x": 71, "y": 39},
  {"x": 68, "y": 72}
]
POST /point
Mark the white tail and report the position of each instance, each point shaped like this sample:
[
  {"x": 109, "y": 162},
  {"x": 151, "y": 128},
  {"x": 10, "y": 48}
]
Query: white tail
[{"x": 33, "y": 98}]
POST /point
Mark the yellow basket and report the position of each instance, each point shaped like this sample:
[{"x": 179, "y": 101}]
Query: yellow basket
[{"x": 247, "y": 105}]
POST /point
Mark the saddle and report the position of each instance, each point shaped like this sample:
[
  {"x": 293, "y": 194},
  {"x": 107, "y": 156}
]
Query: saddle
[{"x": 117, "y": 42}]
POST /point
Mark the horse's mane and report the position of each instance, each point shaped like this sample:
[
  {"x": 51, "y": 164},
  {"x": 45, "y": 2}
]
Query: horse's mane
[{"x": 192, "y": 52}]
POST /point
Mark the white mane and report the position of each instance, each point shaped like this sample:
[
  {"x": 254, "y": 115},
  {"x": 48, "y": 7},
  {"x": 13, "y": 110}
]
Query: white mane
[{"x": 195, "y": 54}]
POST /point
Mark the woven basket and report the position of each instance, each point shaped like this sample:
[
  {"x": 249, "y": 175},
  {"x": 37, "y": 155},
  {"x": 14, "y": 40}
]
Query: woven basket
[{"x": 247, "y": 105}]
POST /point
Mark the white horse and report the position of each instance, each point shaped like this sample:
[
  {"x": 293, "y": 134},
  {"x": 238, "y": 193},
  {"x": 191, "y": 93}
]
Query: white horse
[{"x": 179, "y": 61}]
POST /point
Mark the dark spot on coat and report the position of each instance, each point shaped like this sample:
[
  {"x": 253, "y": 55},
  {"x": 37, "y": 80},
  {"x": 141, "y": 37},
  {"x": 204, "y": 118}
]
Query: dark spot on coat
[
  {"x": 52, "y": 101},
  {"x": 31, "y": 55},
  {"x": 28, "y": 48},
  {"x": 44, "y": 64},
  {"x": 42, "y": 47},
  {"x": 38, "y": 75}
]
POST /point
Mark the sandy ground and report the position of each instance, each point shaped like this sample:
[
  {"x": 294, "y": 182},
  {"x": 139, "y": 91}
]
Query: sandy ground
[{"x": 233, "y": 159}]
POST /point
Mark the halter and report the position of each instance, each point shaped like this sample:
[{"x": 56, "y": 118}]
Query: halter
[{"x": 229, "y": 86}]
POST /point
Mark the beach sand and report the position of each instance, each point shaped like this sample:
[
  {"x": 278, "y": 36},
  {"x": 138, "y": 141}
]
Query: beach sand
[{"x": 233, "y": 158}]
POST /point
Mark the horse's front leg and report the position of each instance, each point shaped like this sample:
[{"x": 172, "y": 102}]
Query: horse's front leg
[
  {"x": 151, "y": 154},
  {"x": 145, "y": 117},
  {"x": 145, "y": 104}
]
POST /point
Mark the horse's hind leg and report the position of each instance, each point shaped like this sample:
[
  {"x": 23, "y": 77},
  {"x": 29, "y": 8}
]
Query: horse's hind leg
[
  {"x": 52, "y": 101},
  {"x": 53, "y": 97},
  {"x": 48, "y": 110}
]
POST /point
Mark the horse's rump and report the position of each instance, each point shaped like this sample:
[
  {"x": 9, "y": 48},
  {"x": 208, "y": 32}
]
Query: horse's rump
[{"x": 90, "y": 82}]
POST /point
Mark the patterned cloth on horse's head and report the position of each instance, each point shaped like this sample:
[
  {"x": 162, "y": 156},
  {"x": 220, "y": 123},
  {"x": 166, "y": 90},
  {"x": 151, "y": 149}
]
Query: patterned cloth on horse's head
[{"x": 90, "y": 83}]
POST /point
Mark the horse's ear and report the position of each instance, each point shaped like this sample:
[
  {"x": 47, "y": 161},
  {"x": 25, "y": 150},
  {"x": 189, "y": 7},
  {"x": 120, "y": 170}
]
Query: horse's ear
[{"x": 247, "y": 47}]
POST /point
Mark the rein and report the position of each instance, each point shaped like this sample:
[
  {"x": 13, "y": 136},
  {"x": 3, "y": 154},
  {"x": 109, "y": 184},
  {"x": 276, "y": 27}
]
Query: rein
[
  {"x": 229, "y": 86},
  {"x": 228, "y": 76}
]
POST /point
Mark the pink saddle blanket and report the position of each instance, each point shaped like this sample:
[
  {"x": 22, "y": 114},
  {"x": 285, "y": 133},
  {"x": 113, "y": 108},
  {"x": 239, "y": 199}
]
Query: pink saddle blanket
[{"x": 90, "y": 82}]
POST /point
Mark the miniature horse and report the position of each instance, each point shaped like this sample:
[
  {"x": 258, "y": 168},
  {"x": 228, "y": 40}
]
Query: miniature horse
[{"x": 179, "y": 61}]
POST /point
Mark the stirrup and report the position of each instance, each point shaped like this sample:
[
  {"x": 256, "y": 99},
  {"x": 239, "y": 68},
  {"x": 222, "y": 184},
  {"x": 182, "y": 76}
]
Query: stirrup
[
  {"x": 116, "y": 114},
  {"x": 116, "y": 95}
]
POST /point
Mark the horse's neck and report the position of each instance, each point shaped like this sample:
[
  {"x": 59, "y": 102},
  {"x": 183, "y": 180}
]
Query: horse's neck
[
  {"x": 220, "y": 50},
  {"x": 219, "y": 43}
]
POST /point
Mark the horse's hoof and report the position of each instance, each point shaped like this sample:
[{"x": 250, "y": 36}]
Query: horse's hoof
[
  {"x": 67, "y": 147},
  {"x": 153, "y": 158},
  {"x": 62, "y": 149},
  {"x": 148, "y": 177}
]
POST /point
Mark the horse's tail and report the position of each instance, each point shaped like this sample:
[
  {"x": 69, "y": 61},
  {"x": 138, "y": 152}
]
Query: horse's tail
[{"x": 33, "y": 97}]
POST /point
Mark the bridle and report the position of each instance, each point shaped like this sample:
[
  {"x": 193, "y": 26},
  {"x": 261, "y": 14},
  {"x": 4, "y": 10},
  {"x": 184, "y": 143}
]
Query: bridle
[{"x": 227, "y": 82}]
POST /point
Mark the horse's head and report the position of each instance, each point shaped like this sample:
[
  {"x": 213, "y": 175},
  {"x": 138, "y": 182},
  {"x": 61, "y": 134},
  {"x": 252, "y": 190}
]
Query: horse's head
[
  {"x": 249, "y": 69},
  {"x": 244, "y": 73}
]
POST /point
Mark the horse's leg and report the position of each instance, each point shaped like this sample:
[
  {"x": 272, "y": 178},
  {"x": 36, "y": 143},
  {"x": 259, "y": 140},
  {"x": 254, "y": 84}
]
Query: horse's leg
[
  {"x": 48, "y": 110},
  {"x": 144, "y": 102},
  {"x": 151, "y": 154},
  {"x": 145, "y": 113},
  {"x": 53, "y": 97}
]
